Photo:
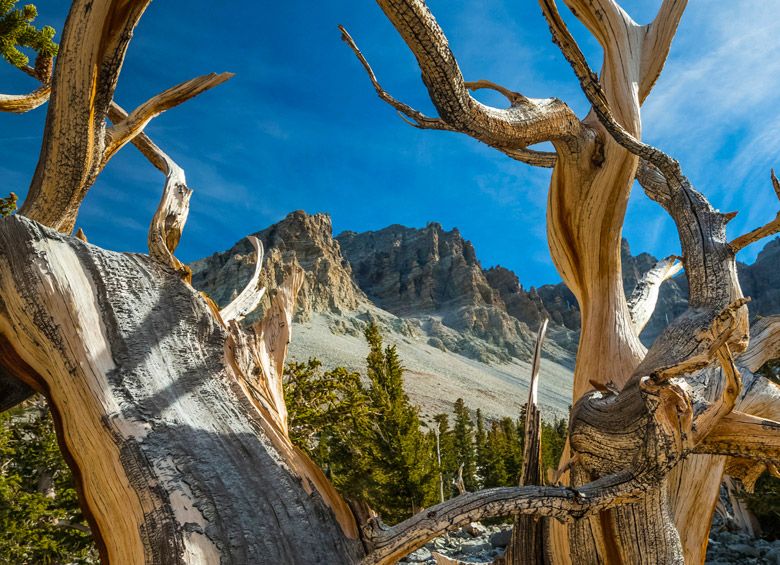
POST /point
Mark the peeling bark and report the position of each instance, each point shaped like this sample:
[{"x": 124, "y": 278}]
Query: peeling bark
[{"x": 152, "y": 411}]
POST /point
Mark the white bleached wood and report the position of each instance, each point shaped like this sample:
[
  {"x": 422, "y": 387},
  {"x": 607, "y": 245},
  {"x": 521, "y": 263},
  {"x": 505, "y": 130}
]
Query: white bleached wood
[
  {"x": 20, "y": 103},
  {"x": 641, "y": 304},
  {"x": 125, "y": 130},
  {"x": 250, "y": 297}
]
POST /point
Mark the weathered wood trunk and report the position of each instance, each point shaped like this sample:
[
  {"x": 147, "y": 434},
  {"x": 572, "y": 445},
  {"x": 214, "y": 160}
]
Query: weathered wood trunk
[{"x": 175, "y": 463}]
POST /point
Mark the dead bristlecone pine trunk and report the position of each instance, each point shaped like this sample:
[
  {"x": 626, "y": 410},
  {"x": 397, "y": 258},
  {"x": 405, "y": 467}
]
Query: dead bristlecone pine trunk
[{"x": 171, "y": 413}]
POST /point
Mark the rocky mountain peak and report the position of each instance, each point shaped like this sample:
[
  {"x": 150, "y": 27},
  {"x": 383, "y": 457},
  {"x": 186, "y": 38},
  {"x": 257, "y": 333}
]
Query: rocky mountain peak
[
  {"x": 300, "y": 238},
  {"x": 409, "y": 270}
]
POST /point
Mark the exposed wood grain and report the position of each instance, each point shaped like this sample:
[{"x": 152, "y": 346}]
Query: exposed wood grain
[
  {"x": 20, "y": 103},
  {"x": 250, "y": 297},
  {"x": 527, "y": 545},
  {"x": 172, "y": 453}
]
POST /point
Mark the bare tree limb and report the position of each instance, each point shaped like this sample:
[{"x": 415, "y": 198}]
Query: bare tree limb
[
  {"x": 527, "y": 544},
  {"x": 562, "y": 503},
  {"x": 20, "y": 103},
  {"x": 532, "y": 463},
  {"x": 643, "y": 299},
  {"x": 92, "y": 49},
  {"x": 657, "y": 41},
  {"x": 124, "y": 131},
  {"x": 411, "y": 116},
  {"x": 513, "y": 97},
  {"x": 525, "y": 123},
  {"x": 766, "y": 230},
  {"x": 273, "y": 334},
  {"x": 252, "y": 294},
  {"x": 593, "y": 90},
  {"x": 604, "y": 19},
  {"x": 764, "y": 343},
  {"x": 168, "y": 221},
  {"x": 744, "y": 435},
  {"x": 545, "y": 159}
]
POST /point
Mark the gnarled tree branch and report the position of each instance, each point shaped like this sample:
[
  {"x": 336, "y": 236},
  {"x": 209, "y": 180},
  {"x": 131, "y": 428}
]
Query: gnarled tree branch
[
  {"x": 746, "y": 436},
  {"x": 125, "y": 130},
  {"x": 410, "y": 115},
  {"x": 168, "y": 221},
  {"x": 656, "y": 43},
  {"x": 525, "y": 123},
  {"x": 92, "y": 50},
  {"x": 20, "y": 103},
  {"x": 643, "y": 299},
  {"x": 766, "y": 230},
  {"x": 252, "y": 294}
]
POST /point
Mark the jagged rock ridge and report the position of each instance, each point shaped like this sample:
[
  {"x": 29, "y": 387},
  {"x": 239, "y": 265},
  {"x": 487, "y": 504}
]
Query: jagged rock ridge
[
  {"x": 428, "y": 290},
  {"x": 303, "y": 239},
  {"x": 433, "y": 276}
]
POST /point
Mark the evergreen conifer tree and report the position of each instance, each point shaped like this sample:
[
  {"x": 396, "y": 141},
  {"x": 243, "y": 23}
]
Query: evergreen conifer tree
[
  {"x": 18, "y": 32},
  {"x": 496, "y": 474},
  {"x": 402, "y": 475},
  {"x": 40, "y": 517},
  {"x": 464, "y": 444},
  {"x": 480, "y": 445},
  {"x": 513, "y": 452}
]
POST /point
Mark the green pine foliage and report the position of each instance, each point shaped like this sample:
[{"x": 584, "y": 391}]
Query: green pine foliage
[
  {"x": 18, "y": 32},
  {"x": 465, "y": 449},
  {"x": 366, "y": 436},
  {"x": 449, "y": 460},
  {"x": 402, "y": 471},
  {"x": 494, "y": 465},
  {"x": 325, "y": 407},
  {"x": 40, "y": 518},
  {"x": 8, "y": 205},
  {"x": 553, "y": 440}
]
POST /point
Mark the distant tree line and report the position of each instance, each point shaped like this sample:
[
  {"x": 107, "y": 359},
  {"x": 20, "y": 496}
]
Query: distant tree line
[{"x": 373, "y": 445}]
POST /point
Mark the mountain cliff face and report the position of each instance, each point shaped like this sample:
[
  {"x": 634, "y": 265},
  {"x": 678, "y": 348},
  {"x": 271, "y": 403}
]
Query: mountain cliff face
[
  {"x": 761, "y": 280},
  {"x": 461, "y": 329},
  {"x": 306, "y": 240},
  {"x": 434, "y": 277}
]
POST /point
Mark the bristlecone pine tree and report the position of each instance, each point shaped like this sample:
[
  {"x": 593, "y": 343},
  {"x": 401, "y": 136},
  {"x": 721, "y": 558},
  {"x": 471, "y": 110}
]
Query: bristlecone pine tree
[{"x": 172, "y": 415}]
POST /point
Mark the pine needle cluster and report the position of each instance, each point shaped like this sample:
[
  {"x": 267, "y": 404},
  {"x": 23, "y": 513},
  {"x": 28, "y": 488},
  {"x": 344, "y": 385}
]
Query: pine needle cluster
[{"x": 18, "y": 32}]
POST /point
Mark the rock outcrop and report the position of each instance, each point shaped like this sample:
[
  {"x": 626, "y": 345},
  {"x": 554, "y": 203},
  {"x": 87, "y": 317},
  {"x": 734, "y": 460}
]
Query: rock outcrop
[
  {"x": 434, "y": 276},
  {"x": 303, "y": 239},
  {"x": 463, "y": 329}
]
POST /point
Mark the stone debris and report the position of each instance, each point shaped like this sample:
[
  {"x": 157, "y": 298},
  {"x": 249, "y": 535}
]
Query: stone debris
[{"x": 464, "y": 547}]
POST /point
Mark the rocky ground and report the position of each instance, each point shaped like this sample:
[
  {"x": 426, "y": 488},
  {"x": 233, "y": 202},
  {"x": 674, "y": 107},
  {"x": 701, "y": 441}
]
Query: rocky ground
[
  {"x": 474, "y": 544},
  {"x": 733, "y": 547},
  {"x": 483, "y": 544}
]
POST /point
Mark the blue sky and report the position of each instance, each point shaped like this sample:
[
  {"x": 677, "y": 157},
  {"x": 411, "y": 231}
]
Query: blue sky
[{"x": 299, "y": 126}]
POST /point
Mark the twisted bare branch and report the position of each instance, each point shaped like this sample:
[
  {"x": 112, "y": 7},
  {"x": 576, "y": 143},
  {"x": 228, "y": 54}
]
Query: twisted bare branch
[
  {"x": 125, "y": 130},
  {"x": 656, "y": 43},
  {"x": 566, "y": 504},
  {"x": 525, "y": 123},
  {"x": 410, "y": 115},
  {"x": 20, "y": 103},
  {"x": 593, "y": 90},
  {"x": 766, "y": 230},
  {"x": 168, "y": 221},
  {"x": 643, "y": 299},
  {"x": 746, "y": 436},
  {"x": 252, "y": 294}
]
